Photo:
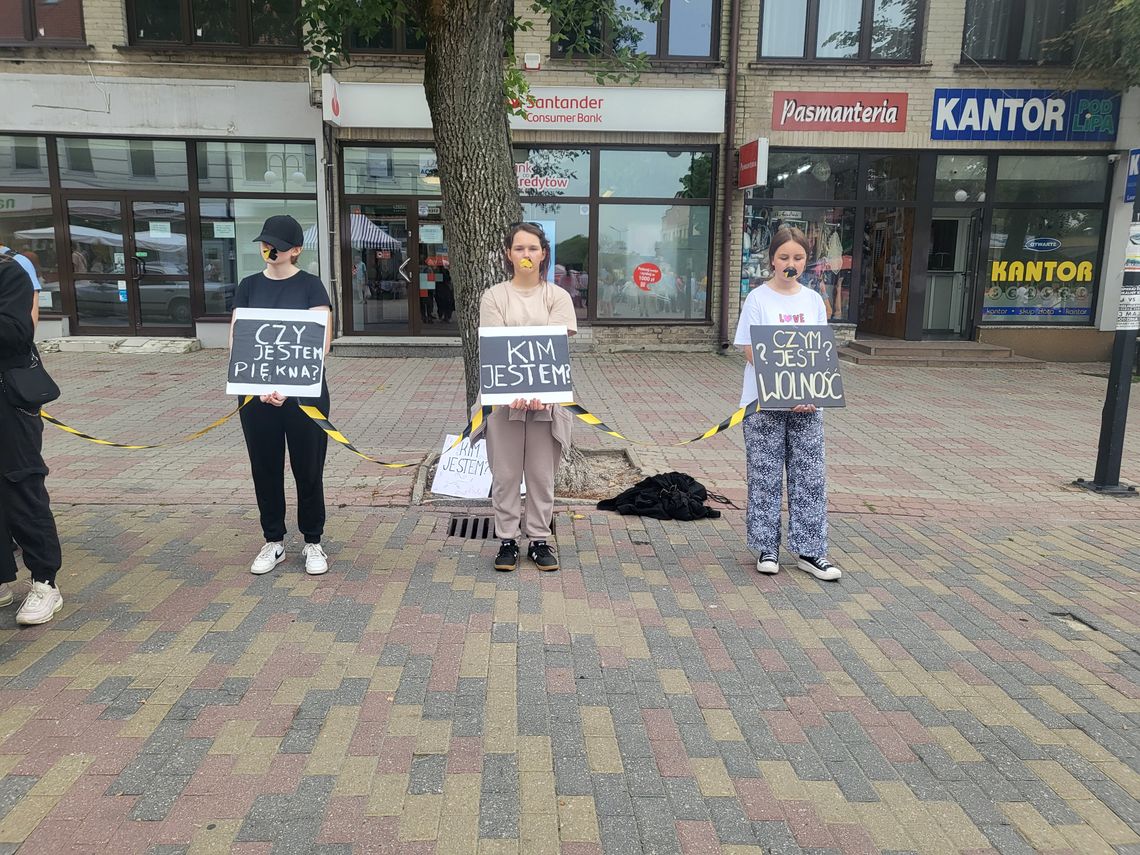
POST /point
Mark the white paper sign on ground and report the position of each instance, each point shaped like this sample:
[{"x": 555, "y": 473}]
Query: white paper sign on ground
[{"x": 463, "y": 471}]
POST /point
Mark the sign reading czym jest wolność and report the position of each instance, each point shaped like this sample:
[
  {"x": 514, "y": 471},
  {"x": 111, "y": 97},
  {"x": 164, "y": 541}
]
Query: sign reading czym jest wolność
[{"x": 796, "y": 365}]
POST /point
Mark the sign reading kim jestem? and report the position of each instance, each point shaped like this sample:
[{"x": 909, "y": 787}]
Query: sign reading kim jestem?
[
  {"x": 277, "y": 350},
  {"x": 525, "y": 362}
]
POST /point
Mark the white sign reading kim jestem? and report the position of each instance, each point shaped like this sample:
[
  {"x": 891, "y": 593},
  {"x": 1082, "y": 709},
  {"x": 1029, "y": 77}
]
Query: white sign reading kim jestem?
[{"x": 464, "y": 471}]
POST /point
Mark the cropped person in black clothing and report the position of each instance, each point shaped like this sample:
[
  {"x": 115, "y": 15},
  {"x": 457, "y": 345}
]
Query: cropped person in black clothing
[
  {"x": 274, "y": 421},
  {"x": 26, "y": 508}
]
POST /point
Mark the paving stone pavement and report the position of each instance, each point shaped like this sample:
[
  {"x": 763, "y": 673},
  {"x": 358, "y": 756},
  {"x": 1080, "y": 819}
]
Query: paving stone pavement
[{"x": 972, "y": 685}]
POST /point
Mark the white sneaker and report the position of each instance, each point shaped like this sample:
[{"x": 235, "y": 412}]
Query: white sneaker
[
  {"x": 40, "y": 605},
  {"x": 316, "y": 562},
  {"x": 768, "y": 564},
  {"x": 270, "y": 556},
  {"x": 6, "y": 594}
]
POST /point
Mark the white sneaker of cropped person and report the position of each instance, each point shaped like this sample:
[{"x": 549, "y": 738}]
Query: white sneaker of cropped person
[
  {"x": 7, "y": 594},
  {"x": 272, "y": 554},
  {"x": 316, "y": 562},
  {"x": 40, "y": 605}
]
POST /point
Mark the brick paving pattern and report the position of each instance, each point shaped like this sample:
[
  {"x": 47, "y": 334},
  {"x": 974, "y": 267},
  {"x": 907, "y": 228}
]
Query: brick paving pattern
[{"x": 971, "y": 686}]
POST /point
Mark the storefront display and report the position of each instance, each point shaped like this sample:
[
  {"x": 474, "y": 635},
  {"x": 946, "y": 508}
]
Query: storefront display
[
  {"x": 607, "y": 212},
  {"x": 157, "y": 232}
]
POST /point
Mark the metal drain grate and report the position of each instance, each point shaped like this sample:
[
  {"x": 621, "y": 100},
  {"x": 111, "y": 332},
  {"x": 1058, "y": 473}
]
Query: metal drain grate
[{"x": 471, "y": 528}]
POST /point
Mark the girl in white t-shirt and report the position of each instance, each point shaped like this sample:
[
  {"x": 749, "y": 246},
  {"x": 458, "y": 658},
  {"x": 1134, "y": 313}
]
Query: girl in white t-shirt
[{"x": 775, "y": 440}]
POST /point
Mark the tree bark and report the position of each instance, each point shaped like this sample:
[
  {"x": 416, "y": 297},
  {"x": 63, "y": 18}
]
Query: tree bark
[{"x": 463, "y": 81}]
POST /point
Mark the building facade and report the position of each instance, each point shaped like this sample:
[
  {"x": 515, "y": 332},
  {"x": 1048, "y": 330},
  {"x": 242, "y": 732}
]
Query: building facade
[{"x": 949, "y": 182}]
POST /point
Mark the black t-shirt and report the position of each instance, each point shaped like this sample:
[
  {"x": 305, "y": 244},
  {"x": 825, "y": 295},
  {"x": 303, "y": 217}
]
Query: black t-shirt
[{"x": 300, "y": 291}]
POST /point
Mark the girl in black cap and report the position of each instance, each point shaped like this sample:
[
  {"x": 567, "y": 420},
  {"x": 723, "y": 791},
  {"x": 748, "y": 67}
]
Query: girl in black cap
[{"x": 274, "y": 421}]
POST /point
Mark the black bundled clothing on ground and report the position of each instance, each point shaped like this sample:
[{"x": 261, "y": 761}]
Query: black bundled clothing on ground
[{"x": 672, "y": 496}]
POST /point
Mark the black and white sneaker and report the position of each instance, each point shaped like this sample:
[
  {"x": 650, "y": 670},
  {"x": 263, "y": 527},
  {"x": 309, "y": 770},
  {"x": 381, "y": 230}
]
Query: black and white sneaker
[
  {"x": 768, "y": 564},
  {"x": 821, "y": 568},
  {"x": 508, "y": 557}
]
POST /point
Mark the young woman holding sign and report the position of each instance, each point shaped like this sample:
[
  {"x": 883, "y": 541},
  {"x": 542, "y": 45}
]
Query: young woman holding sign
[
  {"x": 274, "y": 421},
  {"x": 527, "y": 437},
  {"x": 775, "y": 440}
]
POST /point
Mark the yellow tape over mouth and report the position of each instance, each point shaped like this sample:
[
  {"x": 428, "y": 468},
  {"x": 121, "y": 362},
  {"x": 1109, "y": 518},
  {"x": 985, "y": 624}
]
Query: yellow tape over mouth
[{"x": 526, "y": 264}]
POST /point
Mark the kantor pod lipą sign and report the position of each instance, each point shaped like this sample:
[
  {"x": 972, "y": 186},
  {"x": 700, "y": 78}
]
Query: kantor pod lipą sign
[
  {"x": 525, "y": 362},
  {"x": 277, "y": 350},
  {"x": 796, "y": 365}
]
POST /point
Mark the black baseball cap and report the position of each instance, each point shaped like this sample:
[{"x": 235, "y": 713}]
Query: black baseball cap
[{"x": 281, "y": 232}]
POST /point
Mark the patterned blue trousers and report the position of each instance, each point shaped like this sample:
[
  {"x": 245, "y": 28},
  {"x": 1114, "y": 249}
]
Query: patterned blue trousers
[{"x": 772, "y": 440}]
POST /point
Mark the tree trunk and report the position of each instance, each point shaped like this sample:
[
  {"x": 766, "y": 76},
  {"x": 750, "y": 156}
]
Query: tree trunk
[{"x": 463, "y": 81}]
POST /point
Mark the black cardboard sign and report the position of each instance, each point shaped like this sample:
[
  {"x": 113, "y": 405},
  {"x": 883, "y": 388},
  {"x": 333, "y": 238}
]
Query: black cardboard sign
[
  {"x": 277, "y": 350},
  {"x": 796, "y": 365},
  {"x": 525, "y": 362}
]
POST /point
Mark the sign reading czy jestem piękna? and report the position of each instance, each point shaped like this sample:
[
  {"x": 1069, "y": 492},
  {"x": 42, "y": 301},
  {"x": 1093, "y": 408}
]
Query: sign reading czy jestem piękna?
[
  {"x": 796, "y": 365},
  {"x": 525, "y": 362},
  {"x": 277, "y": 350}
]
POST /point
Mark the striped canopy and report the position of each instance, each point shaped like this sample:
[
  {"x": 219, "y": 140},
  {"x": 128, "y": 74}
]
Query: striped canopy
[{"x": 365, "y": 235}]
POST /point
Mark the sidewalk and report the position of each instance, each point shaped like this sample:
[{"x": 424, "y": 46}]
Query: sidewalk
[{"x": 971, "y": 685}]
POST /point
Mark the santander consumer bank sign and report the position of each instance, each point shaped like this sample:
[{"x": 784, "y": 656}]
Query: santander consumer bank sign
[{"x": 598, "y": 108}]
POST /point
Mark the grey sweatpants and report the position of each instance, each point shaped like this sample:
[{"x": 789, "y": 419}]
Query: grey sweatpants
[{"x": 517, "y": 447}]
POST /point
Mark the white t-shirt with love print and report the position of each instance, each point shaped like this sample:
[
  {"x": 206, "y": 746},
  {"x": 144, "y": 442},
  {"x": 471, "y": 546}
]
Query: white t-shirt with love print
[{"x": 765, "y": 307}]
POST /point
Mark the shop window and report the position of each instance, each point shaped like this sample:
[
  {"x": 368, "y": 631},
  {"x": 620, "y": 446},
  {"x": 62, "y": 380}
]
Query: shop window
[
  {"x": 142, "y": 159},
  {"x": 41, "y": 22},
  {"x": 892, "y": 176},
  {"x": 214, "y": 22},
  {"x": 103, "y": 162},
  {"x": 683, "y": 30},
  {"x": 23, "y": 162},
  {"x": 838, "y": 30},
  {"x": 831, "y": 238},
  {"x": 1018, "y": 30},
  {"x": 78, "y": 155},
  {"x": 257, "y": 167},
  {"x": 388, "y": 171},
  {"x": 228, "y": 251},
  {"x": 552, "y": 171},
  {"x": 1043, "y": 265},
  {"x": 389, "y": 38},
  {"x": 1051, "y": 179},
  {"x": 656, "y": 174},
  {"x": 960, "y": 178},
  {"x": 819, "y": 175},
  {"x": 653, "y": 262},
  {"x": 27, "y": 225},
  {"x": 567, "y": 227},
  {"x": 242, "y": 23}
]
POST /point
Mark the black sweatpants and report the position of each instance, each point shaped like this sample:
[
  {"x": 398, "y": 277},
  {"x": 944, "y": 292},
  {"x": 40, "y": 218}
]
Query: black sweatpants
[
  {"x": 268, "y": 429},
  {"x": 24, "y": 497}
]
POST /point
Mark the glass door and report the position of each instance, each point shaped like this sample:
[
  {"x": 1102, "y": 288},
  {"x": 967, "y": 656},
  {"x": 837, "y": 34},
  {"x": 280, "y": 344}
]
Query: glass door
[
  {"x": 436, "y": 306},
  {"x": 129, "y": 266},
  {"x": 378, "y": 269},
  {"x": 951, "y": 270}
]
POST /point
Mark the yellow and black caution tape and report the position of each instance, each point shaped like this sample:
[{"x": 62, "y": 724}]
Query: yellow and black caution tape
[
  {"x": 52, "y": 420},
  {"x": 593, "y": 421},
  {"x": 324, "y": 424}
]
